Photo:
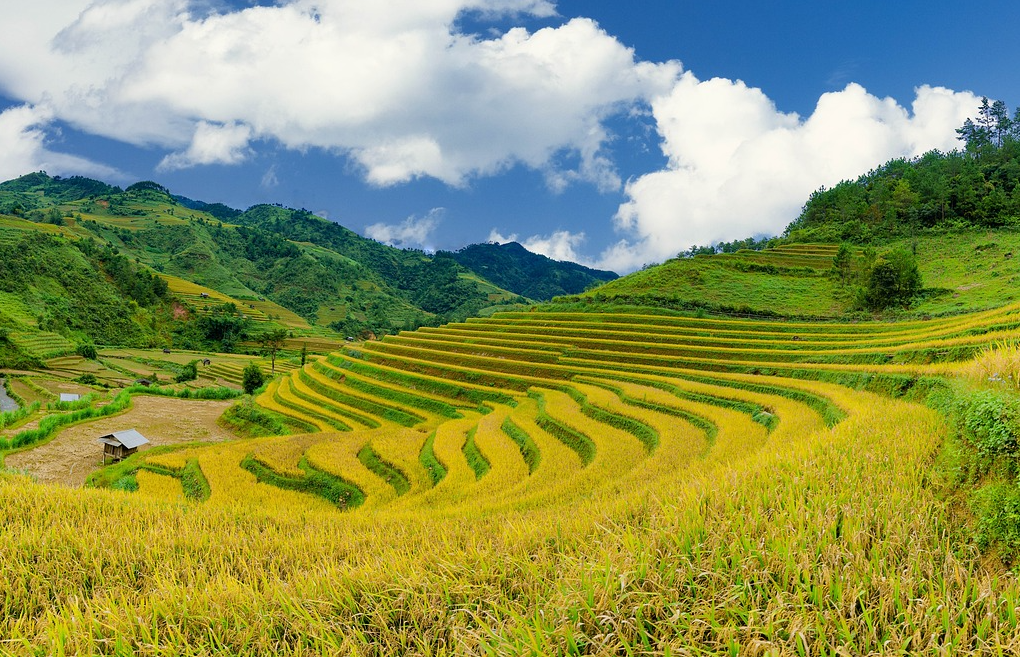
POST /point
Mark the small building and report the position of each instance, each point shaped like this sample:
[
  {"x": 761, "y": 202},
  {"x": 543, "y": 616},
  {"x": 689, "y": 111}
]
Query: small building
[
  {"x": 206, "y": 361},
  {"x": 143, "y": 382},
  {"x": 121, "y": 444},
  {"x": 204, "y": 295},
  {"x": 69, "y": 397}
]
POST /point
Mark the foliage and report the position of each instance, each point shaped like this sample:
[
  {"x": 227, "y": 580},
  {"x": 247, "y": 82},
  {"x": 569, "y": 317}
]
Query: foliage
[
  {"x": 188, "y": 372},
  {"x": 252, "y": 378},
  {"x": 272, "y": 342},
  {"x": 531, "y": 275},
  {"x": 894, "y": 279},
  {"x": 84, "y": 291},
  {"x": 249, "y": 420},
  {"x": 388, "y": 472},
  {"x": 429, "y": 461},
  {"x": 976, "y": 187},
  {"x": 87, "y": 350},
  {"x": 475, "y": 459}
]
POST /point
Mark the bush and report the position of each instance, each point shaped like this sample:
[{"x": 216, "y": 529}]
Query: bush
[
  {"x": 87, "y": 351},
  {"x": 252, "y": 378},
  {"x": 188, "y": 373}
]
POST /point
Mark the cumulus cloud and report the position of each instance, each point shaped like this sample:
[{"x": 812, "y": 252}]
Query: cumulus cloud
[
  {"x": 737, "y": 166},
  {"x": 212, "y": 144},
  {"x": 499, "y": 238},
  {"x": 412, "y": 233},
  {"x": 23, "y": 133},
  {"x": 559, "y": 245},
  {"x": 393, "y": 84}
]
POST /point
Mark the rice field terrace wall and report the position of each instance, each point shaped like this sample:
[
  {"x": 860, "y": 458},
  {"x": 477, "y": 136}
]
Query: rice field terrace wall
[{"x": 544, "y": 483}]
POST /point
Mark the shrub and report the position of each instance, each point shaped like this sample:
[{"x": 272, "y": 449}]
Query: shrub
[
  {"x": 188, "y": 373},
  {"x": 252, "y": 378},
  {"x": 88, "y": 379}
]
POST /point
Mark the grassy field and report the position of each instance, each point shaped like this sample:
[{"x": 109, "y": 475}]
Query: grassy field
[
  {"x": 548, "y": 483},
  {"x": 972, "y": 270}
]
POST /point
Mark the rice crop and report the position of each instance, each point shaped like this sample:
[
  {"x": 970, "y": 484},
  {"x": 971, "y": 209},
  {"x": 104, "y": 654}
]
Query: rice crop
[{"x": 551, "y": 483}]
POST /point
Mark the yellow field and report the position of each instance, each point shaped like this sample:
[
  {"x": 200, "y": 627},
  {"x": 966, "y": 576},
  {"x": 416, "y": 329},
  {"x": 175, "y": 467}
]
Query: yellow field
[
  {"x": 260, "y": 310},
  {"x": 505, "y": 487}
]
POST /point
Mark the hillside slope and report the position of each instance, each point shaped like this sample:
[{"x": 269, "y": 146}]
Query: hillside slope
[
  {"x": 325, "y": 273},
  {"x": 74, "y": 292},
  {"x": 532, "y": 275}
]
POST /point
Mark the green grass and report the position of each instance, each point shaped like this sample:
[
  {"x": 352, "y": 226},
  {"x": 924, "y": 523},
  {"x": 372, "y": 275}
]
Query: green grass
[
  {"x": 581, "y": 444},
  {"x": 429, "y": 461},
  {"x": 529, "y": 450},
  {"x": 385, "y": 470},
  {"x": 975, "y": 269},
  {"x": 474, "y": 456},
  {"x": 330, "y": 487}
]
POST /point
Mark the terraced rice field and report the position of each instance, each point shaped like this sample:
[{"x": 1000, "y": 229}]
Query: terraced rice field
[
  {"x": 42, "y": 344},
  {"x": 600, "y": 395},
  {"x": 259, "y": 311},
  {"x": 816, "y": 257},
  {"x": 561, "y": 483}
]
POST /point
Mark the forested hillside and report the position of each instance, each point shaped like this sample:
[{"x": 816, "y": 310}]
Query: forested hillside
[
  {"x": 935, "y": 234},
  {"x": 975, "y": 187},
  {"x": 320, "y": 270},
  {"x": 513, "y": 267},
  {"x": 77, "y": 292}
]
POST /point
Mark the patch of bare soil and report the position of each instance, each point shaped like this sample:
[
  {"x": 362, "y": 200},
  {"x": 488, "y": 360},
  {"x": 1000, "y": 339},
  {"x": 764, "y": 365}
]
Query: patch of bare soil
[{"x": 74, "y": 452}]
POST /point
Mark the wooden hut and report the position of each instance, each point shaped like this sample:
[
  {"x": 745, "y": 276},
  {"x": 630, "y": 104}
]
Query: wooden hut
[{"x": 121, "y": 444}]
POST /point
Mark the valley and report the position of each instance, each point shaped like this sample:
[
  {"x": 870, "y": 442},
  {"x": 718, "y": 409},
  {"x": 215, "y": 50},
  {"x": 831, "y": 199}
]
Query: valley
[{"x": 765, "y": 451}]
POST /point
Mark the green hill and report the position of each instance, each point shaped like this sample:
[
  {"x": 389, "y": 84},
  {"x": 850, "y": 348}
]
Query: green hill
[
  {"x": 962, "y": 270},
  {"x": 327, "y": 274},
  {"x": 513, "y": 267},
  {"x": 956, "y": 214},
  {"x": 56, "y": 292}
]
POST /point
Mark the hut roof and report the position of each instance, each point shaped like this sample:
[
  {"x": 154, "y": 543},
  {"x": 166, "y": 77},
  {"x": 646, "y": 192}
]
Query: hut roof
[
  {"x": 69, "y": 397},
  {"x": 129, "y": 438}
]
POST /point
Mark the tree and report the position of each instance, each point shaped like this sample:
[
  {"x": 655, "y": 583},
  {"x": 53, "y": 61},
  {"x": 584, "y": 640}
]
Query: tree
[
  {"x": 894, "y": 280},
  {"x": 843, "y": 265},
  {"x": 272, "y": 342},
  {"x": 304, "y": 354},
  {"x": 252, "y": 378}
]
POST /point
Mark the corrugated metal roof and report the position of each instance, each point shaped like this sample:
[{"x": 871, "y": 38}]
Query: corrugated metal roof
[
  {"x": 69, "y": 397},
  {"x": 128, "y": 438}
]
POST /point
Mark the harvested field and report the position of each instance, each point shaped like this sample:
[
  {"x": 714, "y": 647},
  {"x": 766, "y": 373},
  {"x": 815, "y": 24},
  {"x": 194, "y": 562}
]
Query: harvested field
[
  {"x": 56, "y": 386},
  {"x": 73, "y": 453}
]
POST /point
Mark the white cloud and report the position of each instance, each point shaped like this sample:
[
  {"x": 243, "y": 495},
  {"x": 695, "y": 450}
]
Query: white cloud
[
  {"x": 24, "y": 139},
  {"x": 559, "y": 245},
  {"x": 739, "y": 167},
  {"x": 413, "y": 233},
  {"x": 211, "y": 144},
  {"x": 269, "y": 179},
  {"x": 391, "y": 83},
  {"x": 499, "y": 238}
]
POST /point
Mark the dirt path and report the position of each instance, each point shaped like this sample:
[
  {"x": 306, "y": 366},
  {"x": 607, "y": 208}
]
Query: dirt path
[{"x": 68, "y": 458}]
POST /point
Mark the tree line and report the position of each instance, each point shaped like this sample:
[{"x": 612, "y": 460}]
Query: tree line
[{"x": 975, "y": 186}]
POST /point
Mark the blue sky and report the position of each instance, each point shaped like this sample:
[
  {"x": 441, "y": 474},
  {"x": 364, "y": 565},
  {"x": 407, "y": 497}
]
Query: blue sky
[{"x": 611, "y": 133}]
